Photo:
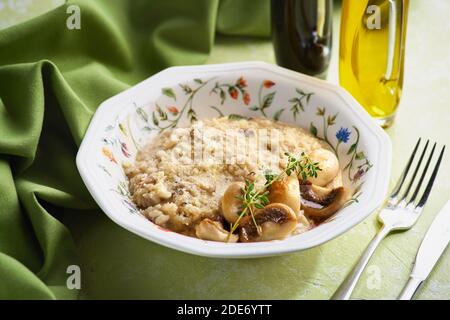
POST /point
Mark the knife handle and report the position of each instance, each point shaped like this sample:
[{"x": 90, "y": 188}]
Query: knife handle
[{"x": 410, "y": 289}]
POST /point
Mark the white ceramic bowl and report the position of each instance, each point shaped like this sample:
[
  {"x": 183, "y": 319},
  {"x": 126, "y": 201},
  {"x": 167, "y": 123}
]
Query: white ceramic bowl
[{"x": 125, "y": 122}]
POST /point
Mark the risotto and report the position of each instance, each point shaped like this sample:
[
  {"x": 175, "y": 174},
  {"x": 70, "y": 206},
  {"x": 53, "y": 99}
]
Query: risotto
[{"x": 195, "y": 180}]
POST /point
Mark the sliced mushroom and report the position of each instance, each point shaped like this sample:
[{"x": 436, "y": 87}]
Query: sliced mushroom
[
  {"x": 303, "y": 224},
  {"x": 321, "y": 203},
  {"x": 303, "y": 220},
  {"x": 329, "y": 165},
  {"x": 275, "y": 221},
  {"x": 231, "y": 205},
  {"x": 286, "y": 191},
  {"x": 208, "y": 229}
]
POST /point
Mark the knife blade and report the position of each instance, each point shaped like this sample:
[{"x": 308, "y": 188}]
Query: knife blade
[{"x": 433, "y": 245}]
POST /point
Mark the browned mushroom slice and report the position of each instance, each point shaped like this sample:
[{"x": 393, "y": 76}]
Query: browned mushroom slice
[
  {"x": 231, "y": 204},
  {"x": 208, "y": 229},
  {"x": 275, "y": 222},
  {"x": 286, "y": 191},
  {"x": 320, "y": 203}
]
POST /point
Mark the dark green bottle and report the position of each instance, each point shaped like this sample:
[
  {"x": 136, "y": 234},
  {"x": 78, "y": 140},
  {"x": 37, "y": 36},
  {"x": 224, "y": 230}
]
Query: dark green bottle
[{"x": 302, "y": 35}]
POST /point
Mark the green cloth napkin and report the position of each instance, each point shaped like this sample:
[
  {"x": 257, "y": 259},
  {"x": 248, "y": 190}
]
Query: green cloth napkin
[{"x": 51, "y": 81}]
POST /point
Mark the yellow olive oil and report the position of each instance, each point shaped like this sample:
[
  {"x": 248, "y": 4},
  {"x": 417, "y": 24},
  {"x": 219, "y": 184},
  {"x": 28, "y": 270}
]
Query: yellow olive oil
[{"x": 371, "y": 56}]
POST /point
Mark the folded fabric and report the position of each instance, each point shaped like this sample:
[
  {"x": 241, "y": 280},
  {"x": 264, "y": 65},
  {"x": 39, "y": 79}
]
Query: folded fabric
[{"x": 52, "y": 79}]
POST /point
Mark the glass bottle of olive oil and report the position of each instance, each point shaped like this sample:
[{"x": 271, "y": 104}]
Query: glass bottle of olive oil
[
  {"x": 372, "y": 46},
  {"x": 302, "y": 35}
]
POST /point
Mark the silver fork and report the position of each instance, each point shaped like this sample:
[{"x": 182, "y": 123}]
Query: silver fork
[{"x": 400, "y": 212}]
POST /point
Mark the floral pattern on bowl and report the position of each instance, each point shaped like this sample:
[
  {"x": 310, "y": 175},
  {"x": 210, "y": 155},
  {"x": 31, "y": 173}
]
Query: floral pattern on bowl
[{"x": 170, "y": 99}]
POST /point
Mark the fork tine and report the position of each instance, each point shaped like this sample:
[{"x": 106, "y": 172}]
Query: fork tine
[
  {"x": 419, "y": 183},
  {"x": 427, "y": 191},
  {"x": 402, "y": 177},
  {"x": 405, "y": 194}
]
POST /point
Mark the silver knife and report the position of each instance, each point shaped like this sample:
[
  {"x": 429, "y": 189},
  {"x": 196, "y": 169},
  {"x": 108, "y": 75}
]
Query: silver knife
[{"x": 431, "y": 249}]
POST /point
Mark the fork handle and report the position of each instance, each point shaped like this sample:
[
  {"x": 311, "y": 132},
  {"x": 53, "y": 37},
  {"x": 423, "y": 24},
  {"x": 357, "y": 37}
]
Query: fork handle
[{"x": 346, "y": 288}]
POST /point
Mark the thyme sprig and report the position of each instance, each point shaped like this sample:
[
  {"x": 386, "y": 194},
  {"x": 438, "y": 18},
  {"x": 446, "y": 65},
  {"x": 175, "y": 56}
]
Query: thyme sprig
[
  {"x": 304, "y": 167},
  {"x": 252, "y": 199}
]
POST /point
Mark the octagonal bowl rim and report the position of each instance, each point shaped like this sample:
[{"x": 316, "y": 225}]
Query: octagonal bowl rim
[{"x": 179, "y": 242}]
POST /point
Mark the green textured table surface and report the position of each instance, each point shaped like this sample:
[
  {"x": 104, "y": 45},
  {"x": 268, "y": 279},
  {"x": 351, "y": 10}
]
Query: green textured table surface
[{"x": 118, "y": 264}]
